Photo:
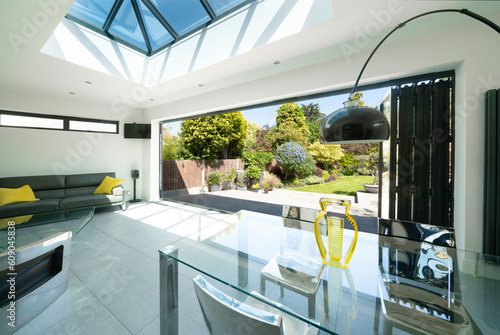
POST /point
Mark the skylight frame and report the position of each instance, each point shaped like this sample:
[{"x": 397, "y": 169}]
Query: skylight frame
[{"x": 104, "y": 30}]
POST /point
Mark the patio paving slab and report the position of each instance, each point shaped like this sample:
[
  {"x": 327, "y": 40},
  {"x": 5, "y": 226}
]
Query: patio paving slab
[{"x": 364, "y": 206}]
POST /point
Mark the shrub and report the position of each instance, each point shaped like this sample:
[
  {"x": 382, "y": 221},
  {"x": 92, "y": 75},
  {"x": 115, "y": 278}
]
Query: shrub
[
  {"x": 332, "y": 178},
  {"x": 325, "y": 175},
  {"x": 271, "y": 179},
  {"x": 289, "y": 156},
  {"x": 279, "y": 185},
  {"x": 345, "y": 164},
  {"x": 241, "y": 178},
  {"x": 318, "y": 172},
  {"x": 312, "y": 180},
  {"x": 214, "y": 178},
  {"x": 229, "y": 176},
  {"x": 253, "y": 172},
  {"x": 307, "y": 167},
  {"x": 257, "y": 158}
]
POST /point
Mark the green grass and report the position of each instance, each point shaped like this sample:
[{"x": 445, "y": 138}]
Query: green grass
[{"x": 344, "y": 186}]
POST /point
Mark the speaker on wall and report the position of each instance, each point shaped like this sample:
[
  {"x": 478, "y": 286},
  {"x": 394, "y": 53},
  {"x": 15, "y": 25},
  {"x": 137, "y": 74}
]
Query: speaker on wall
[{"x": 135, "y": 175}]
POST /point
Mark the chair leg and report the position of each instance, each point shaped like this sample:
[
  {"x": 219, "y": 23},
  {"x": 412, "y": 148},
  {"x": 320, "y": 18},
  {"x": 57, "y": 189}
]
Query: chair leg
[
  {"x": 325, "y": 297},
  {"x": 262, "y": 285},
  {"x": 282, "y": 290},
  {"x": 377, "y": 315}
]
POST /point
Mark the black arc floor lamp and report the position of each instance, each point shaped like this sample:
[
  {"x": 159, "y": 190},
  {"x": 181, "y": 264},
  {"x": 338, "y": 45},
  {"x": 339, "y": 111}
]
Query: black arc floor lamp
[{"x": 363, "y": 124}]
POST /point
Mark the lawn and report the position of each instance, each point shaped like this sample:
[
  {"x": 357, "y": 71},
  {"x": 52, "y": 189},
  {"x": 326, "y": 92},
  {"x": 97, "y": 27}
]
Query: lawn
[{"x": 344, "y": 186}]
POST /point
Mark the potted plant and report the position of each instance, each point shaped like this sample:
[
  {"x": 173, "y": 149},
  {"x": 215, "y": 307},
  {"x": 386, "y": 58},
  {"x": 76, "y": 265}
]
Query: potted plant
[
  {"x": 241, "y": 180},
  {"x": 266, "y": 188},
  {"x": 254, "y": 174},
  {"x": 272, "y": 180},
  {"x": 214, "y": 180},
  {"x": 228, "y": 180},
  {"x": 255, "y": 187}
]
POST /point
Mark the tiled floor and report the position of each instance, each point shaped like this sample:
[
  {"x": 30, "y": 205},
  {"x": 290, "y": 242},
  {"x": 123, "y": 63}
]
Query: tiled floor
[{"x": 114, "y": 285}]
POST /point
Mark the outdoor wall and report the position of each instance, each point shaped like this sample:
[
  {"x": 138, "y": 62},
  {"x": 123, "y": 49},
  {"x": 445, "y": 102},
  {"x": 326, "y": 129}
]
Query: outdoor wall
[
  {"x": 38, "y": 152},
  {"x": 472, "y": 50}
]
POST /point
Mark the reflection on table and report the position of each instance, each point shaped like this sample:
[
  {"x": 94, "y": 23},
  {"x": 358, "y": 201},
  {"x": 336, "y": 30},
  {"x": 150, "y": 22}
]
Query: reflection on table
[{"x": 390, "y": 281}]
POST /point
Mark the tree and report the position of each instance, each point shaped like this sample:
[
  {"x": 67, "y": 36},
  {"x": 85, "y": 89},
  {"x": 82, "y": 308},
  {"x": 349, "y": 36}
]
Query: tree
[
  {"x": 290, "y": 126},
  {"x": 312, "y": 113},
  {"x": 313, "y": 120},
  {"x": 325, "y": 154},
  {"x": 368, "y": 165},
  {"x": 251, "y": 139},
  {"x": 217, "y": 136},
  {"x": 171, "y": 144}
]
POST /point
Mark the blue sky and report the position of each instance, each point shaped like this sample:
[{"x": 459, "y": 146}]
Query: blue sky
[{"x": 267, "y": 115}]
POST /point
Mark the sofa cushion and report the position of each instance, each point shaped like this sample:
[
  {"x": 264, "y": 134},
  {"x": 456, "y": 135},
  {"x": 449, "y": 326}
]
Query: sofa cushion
[
  {"x": 37, "y": 183},
  {"x": 43, "y": 205},
  {"x": 97, "y": 200},
  {"x": 87, "y": 179},
  {"x": 71, "y": 192},
  {"x": 50, "y": 194}
]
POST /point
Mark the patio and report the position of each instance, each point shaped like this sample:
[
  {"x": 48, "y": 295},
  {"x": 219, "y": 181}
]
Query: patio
[{"x": 364, "y": 205}]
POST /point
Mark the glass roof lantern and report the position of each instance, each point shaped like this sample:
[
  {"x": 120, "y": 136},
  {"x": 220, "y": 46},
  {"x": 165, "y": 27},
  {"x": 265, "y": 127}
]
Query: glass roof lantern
[{"x": 149, "y": 26}]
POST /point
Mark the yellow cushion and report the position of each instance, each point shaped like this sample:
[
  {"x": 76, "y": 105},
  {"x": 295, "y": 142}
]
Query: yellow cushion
[
  {"x": 13, "y": 195},
  {"x": 4, "y": 223},
  {"x": 107, "y": 185}
]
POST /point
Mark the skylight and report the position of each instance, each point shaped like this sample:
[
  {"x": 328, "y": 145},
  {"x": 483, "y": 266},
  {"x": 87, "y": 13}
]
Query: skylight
[{"x": 149, "y": 26}]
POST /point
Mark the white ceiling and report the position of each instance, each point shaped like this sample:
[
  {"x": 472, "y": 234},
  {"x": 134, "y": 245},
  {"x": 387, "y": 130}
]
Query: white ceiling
[{"x": 24, "y": 68}]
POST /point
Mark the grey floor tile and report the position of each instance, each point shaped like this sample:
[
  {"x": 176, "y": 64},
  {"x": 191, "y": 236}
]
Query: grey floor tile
[
  {"x": 135, "y": 304},
  {"x": 91, "y": 320},
  {"x": 75, "y": 298},
  {"x": 117, "y": 272}
]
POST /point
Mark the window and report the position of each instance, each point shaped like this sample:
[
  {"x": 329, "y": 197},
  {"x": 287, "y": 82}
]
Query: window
[
  {"x": 55, "y": 122},
  {"x": 149, "y": 26}
]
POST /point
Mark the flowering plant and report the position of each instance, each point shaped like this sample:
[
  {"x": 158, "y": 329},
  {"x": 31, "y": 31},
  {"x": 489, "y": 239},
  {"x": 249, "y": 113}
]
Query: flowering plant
[{"x": 289, "y": 156}]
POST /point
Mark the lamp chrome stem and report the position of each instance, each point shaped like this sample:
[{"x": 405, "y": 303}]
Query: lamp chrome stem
[{"x": 464, "y": 11}]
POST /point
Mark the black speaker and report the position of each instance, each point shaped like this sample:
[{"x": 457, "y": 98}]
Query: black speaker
[{"x": 135, "y": 174}]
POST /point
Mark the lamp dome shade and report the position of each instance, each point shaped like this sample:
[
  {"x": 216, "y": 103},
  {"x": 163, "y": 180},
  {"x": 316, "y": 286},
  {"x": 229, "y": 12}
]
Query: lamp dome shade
[{"x": 354, "y": 124}]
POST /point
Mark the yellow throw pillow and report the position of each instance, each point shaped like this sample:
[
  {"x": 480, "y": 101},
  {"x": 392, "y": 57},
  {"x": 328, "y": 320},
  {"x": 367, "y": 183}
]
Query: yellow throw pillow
[
  {"x": 13, "y": 195},
  {"x": 107, "y": 185}
]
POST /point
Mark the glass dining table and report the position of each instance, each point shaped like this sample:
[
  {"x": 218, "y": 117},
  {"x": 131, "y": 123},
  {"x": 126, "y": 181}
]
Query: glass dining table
[{"x": 390, "y": 283}]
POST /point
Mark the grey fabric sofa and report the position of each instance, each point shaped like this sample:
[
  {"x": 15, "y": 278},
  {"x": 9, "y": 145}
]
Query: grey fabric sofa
[{"x": 61, "y": 192}]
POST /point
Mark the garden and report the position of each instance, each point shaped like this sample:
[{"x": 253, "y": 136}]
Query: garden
[{"x": 286, "y": 155}]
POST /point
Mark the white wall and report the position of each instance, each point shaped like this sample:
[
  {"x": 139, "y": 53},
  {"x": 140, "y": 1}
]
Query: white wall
[
  {"x": 473, "y": 51},
  {"x": 38, "y": 152}
]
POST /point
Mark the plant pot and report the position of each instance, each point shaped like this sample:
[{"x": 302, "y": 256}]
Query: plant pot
[
  {"x": 227, "y": 185},
  {"x": 254, "y": 189},
  {"x": 214, "y": 188},
  {"x": 266, "y": 190},
  {"x": 371, "y": 188},
  {"x": 238, "y": 188}
]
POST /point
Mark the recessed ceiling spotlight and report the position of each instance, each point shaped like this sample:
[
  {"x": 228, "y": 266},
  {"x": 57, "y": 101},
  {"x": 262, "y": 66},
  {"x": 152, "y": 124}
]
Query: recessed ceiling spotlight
[
  {"x": 151, "y": 99},
  {"x": 276, "y": 62},
  {"x": 88, "y": 82},
  {"x": 72, "y": 93},
  {"x": 201, "y": 85}
]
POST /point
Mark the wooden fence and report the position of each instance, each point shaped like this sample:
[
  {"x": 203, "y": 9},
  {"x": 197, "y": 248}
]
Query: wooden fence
[{"x": 193, "y": 173}]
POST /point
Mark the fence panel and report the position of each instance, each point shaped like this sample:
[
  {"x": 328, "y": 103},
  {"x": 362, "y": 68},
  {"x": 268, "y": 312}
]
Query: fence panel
[{"x": 193, "y": 173}]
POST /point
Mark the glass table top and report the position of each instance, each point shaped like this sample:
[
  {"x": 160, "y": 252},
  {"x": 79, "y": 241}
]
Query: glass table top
[
  {"x": 391, "y": 282},
  {"x": 42, "y": 225}
]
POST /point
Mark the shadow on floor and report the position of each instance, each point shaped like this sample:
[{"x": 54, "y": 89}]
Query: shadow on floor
[{"x": 365, "y": 224}]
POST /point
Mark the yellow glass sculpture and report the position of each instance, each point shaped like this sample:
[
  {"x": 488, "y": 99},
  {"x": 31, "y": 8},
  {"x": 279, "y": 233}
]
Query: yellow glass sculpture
[{"x": 335, "y": 230}]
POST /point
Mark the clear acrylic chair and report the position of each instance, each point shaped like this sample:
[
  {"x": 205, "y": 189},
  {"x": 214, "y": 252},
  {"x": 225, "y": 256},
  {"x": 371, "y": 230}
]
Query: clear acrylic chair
[
  {"x": 298, "y": 266},
  {"x": 225, "y": 315}
]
